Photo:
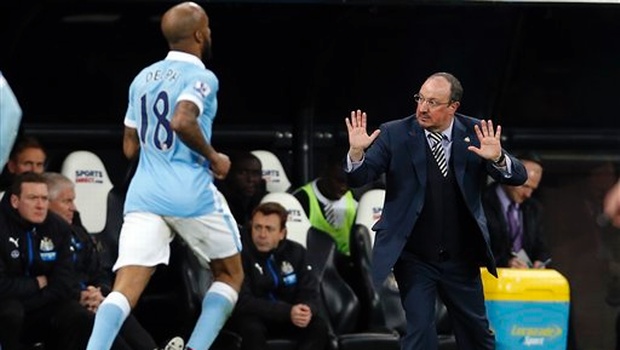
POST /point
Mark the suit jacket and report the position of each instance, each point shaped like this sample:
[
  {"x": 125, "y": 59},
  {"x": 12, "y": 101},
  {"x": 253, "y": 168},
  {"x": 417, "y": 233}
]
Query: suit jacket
[
  {"x": 400, "y": 153},
  {"x": 533, "y": 238}
]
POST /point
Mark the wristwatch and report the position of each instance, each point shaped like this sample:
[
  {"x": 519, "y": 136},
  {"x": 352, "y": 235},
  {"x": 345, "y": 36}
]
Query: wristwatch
[{"x": 501, "y": 161}]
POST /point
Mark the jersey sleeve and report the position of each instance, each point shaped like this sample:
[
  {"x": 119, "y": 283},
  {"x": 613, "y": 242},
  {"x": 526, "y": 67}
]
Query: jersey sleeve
[
  {"x": 198, "y": 90},
  {"x": 130, "y": 115},
  {"x": 10, "y": 117}
]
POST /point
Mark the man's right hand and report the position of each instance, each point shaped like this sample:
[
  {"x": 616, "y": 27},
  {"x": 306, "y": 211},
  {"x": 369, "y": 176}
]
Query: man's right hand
[
  {"x": 301, "y": 315},
  {"x": 220, "y": 166},
  {"x": 517, "y": 263},
  {"x": 359, "y": 139}
]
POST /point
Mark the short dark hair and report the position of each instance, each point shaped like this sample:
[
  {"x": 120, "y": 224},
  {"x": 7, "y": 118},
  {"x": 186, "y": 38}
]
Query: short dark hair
[
  {"x": 269, "y": 208},
  {"x": 28, "y": 177},
  {"x": 530, "y": 155},
  {"x": 237, "y": 157},
  {"x": 23, "y": 143},
  {"x": 456, "y": 89}
]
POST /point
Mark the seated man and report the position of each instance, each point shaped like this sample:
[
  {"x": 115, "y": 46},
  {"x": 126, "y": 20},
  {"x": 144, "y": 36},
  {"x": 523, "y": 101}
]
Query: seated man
[
  {"x": 37, "y": 289},
  {"x": 27, "y": 155},
  {"x": 329, "y": 203},
  {"x": 244, "y": 186},
  {"x": 95, "y": 282},
  {"x": 280, "y": 292},
  {"x": 515, "y": 220}
]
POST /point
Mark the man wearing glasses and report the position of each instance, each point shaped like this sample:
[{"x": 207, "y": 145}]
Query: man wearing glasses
[{"x": 432, "y": 231}]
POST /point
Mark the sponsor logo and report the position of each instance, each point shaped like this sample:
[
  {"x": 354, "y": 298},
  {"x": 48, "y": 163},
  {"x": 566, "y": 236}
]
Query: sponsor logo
[
  {"x": 536, "y": 336},
  {"x": 202, "y": 88},
  {"x": 15, "y": 241},
  {"x": 88, "y": 176},
  {"x": 294, "y": 215},
  {"x": 376, "y": 213},
  {"x": 271, "y": 175}
]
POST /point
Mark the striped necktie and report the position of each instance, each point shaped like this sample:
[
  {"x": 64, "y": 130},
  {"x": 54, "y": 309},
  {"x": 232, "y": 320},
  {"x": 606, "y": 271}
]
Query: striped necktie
[
  {"x": 438, "y": 152},
  {"x": 330, "y": 214}
]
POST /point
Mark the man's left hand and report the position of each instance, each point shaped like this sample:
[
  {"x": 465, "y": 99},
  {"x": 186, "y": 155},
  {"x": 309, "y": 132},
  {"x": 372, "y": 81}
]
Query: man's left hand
[{"x": 490, "y": 141}]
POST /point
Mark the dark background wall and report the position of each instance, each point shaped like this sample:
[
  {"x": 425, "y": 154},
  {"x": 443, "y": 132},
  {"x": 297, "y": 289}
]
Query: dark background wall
[{"x": 290, "y": 72}]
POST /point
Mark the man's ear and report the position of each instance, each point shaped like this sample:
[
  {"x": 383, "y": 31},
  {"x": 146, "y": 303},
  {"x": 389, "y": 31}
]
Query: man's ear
[
  {"x": 455, "y": 105},
  {"x": 14, "y": 201},
  {"x": 198, "y": 36},
  {"x": 283, "y": 234},
  {"x": 11, "y": 166}
]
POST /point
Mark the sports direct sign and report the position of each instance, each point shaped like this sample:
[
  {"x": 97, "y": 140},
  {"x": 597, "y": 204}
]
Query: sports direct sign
[{"x": 88, "y": 176}]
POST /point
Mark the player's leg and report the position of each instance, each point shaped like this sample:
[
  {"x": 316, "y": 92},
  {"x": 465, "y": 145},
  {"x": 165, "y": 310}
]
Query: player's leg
[
  {"x": 214, "y": 238},
  {"x": 144, "y": 243},
  {"x": 219, "y": 301}
]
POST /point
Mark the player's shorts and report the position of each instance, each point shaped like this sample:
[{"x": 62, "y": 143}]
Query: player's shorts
[{"x": 145, "y": 237}]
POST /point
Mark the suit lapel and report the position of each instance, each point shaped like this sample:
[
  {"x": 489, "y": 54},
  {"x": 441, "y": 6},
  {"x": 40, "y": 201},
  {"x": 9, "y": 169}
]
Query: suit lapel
[
  {"x": 460, "y": 141},
  {"x": 416, "y": 145}
]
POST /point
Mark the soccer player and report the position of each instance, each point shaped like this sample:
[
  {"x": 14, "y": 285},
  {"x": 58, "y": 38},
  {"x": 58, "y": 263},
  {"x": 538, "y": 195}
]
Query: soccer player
[
  {"x": 172, "y": 105},
  {"x": 10, "y": 117}
]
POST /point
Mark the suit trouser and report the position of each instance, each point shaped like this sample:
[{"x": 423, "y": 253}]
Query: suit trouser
[
  {"x": 133, "y": 336},
  {"x": 61, "y": 325},
  {"x": 459, "y": 286},
  {"x": 255, "y": 331}
]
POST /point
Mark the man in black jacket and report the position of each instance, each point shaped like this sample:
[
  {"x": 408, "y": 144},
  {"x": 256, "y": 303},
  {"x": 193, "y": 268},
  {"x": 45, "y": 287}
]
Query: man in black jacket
[
  {"x": 37, "y": 289},
  {"x": 515, "y": 220},
  {"x": 94, "y": 279},
  {"x": 279, "y": 297}
]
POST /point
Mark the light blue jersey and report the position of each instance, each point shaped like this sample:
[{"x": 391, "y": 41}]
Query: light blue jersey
[
  {"x": 10, "y": 116},
  {"x": 171, "y": 179}
]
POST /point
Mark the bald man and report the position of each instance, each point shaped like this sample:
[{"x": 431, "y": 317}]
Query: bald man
[{"x": 172, "y": 105}]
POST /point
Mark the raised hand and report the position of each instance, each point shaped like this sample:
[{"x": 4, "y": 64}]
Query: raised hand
[
  {"x": 490, "y": 141},
  {"x": 359, "y": 139}
]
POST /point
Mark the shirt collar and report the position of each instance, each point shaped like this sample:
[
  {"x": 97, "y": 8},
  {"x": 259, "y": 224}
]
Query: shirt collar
[
  {"x": 185, "y": 57},
  {"x": 504, "y": 199},
  {"x": 447, "y": 133}
]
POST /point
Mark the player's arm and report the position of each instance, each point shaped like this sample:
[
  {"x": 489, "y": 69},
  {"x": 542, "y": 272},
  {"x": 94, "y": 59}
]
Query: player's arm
[
  {"x": 185, "y": 124},
  {"x": 131, "y": 143}
]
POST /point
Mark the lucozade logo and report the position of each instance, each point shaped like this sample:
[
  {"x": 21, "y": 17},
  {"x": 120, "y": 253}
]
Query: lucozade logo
[{"x": 535, "y": 336}]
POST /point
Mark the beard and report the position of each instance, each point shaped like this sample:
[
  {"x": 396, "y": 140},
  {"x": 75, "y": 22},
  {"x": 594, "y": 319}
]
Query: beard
[{"x": 207, "y": 52}]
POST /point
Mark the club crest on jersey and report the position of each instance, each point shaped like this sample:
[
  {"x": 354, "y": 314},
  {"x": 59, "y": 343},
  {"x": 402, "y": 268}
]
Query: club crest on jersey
[
  {"x": 202, "y": 88},
  {"x": 46, "y": 249},
  {"x": 288, "y": 273}
]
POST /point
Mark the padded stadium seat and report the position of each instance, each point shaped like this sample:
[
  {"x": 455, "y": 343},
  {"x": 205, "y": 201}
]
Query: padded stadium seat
[
  {"x": 273, "y": 172},
  {"x": 297, "y": 224},
  {"x": 372, "y": 313},
  {"x": 92, "y": 185},
  {"x": 369, "y": 210},
  {"x": 340, "y": 304},
  {"x": 383, "y": 303}
]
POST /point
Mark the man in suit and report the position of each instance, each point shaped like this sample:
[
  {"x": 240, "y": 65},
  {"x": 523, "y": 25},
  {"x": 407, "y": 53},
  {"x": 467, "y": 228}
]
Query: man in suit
[
  {"x": 432, "y": 231},
  {"x": 515, "y": 220}
]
